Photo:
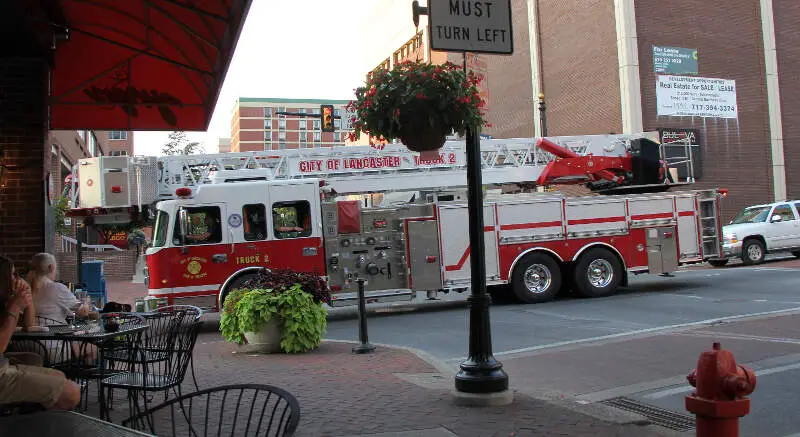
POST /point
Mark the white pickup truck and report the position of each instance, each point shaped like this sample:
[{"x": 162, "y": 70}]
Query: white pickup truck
[{"x": 761, "y": 229}]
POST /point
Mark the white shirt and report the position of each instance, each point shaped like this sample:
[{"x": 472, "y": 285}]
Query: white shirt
[{"x": 55, "y": 301}]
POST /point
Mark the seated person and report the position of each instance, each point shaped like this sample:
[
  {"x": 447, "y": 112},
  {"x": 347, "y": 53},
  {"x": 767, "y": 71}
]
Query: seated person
[
  {"x": 54, "y": 301},
  {"x": 20, "y": 383},
  {"x": 212, "y": 235},
  {"x": 283, "y": 229}
]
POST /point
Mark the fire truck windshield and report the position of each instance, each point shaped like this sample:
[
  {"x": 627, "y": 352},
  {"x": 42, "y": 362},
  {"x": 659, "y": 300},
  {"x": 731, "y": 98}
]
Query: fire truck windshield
[{"x": 160, "y": 234}]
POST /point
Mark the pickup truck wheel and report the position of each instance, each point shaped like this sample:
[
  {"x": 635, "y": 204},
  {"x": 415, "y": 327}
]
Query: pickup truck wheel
[
  {"x": 753, "y": 252},
  {"x": 718, "y": 262},
  {"x": 796, "y": 253},
  {"x": 598, "y": 273},
  {"x": 537, "y": 278}
]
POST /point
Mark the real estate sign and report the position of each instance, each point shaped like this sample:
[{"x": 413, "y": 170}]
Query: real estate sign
[{"x": 688, "y": 96}]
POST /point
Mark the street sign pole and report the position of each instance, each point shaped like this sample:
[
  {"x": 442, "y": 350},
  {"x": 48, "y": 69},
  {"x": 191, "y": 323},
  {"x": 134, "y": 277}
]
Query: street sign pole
[{"x": 482, "y": 27}]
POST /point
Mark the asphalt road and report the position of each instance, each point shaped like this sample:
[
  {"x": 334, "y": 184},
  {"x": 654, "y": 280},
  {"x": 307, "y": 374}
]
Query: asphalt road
[
  {"x": 650, "y": 302},
  {"x": 639, "y": 343}
]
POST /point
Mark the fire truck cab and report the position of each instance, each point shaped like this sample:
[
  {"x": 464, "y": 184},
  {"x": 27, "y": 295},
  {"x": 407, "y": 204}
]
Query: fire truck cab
[{"x": 208, "y": 241}]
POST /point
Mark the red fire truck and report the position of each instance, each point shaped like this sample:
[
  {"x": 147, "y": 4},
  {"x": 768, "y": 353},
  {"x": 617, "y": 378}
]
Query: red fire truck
[{"x": 401, "y": 222}]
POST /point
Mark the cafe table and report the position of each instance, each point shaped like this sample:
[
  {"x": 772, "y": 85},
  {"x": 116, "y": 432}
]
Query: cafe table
[
  {"x": 62, "y": 424},
  {"x": 127, "y": 335}
]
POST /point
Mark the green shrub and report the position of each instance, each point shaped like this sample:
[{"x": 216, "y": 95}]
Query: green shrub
[{"x": 303, "y": 320}]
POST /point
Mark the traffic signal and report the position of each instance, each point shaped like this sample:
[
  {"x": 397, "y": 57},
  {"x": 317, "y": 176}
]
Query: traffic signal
[{"x": 327, "y": 118}]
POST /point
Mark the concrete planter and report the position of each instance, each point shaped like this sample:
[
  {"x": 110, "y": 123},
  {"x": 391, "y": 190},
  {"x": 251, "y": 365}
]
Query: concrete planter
[{"x": 266, "y": 341}]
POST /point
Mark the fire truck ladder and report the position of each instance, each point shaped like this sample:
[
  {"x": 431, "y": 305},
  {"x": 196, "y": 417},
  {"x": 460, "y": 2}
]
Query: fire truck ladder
[
  {"x": 348, "y": 170},
  {"x": 363, "y": 169}
]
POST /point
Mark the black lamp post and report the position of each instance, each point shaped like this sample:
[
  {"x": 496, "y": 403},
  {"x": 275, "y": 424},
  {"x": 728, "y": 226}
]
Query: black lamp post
[{"x": 542, "y": 115}]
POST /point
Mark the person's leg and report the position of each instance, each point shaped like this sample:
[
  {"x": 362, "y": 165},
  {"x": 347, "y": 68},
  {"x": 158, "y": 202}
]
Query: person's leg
[
  {"x": 27, "y": 358},
  {"x": 37, "y": 385}
]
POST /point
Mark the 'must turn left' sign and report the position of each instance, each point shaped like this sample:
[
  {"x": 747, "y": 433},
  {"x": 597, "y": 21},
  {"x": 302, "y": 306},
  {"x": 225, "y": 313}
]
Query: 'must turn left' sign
[{"x": 471, "y": 26}]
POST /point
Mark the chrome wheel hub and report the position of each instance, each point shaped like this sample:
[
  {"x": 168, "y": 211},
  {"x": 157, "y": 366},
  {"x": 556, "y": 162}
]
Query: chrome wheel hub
[
  {"x": 754, "y": 252},
  {"x": 600, "y": 273},
  {"x": 537, "y": 278}
]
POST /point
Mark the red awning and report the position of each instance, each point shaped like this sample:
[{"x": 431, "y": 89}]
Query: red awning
[{"x": 142, "y": 64}]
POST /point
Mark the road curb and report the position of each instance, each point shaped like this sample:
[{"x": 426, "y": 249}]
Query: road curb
[{"x": 211, "y": 320}]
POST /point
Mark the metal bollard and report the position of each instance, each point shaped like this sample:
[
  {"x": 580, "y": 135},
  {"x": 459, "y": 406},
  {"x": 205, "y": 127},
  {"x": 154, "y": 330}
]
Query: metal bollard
[{"x": 365, "y": 347}]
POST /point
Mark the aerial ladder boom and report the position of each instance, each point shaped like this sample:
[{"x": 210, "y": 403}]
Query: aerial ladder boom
[{"x": 107, "y": 184}]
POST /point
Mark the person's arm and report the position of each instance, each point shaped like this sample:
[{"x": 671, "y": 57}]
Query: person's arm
[
  {"x": 20, "y": 300},
  {"x": 29, "y": 317},
  {"x": 68, "y": 302}
]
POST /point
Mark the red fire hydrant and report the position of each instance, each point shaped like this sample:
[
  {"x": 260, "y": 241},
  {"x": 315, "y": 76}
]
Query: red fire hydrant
[{"x": 719, "y": 400}]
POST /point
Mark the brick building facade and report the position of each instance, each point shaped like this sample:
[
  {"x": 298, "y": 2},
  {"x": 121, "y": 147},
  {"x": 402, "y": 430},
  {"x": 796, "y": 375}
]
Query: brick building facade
[
  {"x": 256, "y": 124},
  {"x": 593, "y": 60}
]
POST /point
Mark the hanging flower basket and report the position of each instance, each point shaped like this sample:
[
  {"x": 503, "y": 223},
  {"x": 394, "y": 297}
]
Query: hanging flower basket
[{"x": 418, "y": 103}]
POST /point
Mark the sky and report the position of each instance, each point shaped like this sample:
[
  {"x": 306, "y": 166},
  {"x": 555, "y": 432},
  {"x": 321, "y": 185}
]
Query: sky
[{"x": 287, "y": 48}]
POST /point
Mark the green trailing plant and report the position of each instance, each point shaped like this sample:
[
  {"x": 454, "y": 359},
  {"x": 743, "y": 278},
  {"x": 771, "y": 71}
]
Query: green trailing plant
[
  {"x": 60, "y": 208},
  {"x": 302, "y": 318}
]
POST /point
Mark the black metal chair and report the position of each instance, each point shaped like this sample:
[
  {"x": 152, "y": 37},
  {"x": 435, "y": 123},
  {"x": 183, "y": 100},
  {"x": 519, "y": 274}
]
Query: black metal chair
[
  {"x": 30, "y": 346},
  {"x": 148, "y": 375},
  {"x": 192, "y": 314},
  {"x": 231, "y": 410}
]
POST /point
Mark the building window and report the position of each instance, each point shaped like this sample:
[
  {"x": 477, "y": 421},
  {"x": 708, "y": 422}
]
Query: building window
[
  {"x": 91, "y": 144},
  {"x": 303, "y": 125},
  {"x": 317, "y": 124},
  {"x": 282, "y": 136},
  {"x": 337, "y": 112},
  {"x": 117, "y": 135},
  {"x": 268, "y": 144},
  {"x": 317, "y": 136},
  {"x": 267, "y": 124},
  {"x": 282, "y": 123},
  {"x": 301, "y": 110},
  {"x": 267, "y": 136},
  {"x": 281, "y": 109},
  {"x": 337, "y": 136},
  {"x": 118, "y": 153},
  {"x": 337, "y": 123},
  {"x": 281, "y": 145},
  {"x": 303, "y": 136},
  {"x": 317, "y": 145},
  {"x": 267, "y": 112}
]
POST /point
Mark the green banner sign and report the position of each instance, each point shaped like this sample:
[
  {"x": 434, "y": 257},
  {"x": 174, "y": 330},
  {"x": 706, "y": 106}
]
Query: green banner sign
[{"x": 674, "y": 60}]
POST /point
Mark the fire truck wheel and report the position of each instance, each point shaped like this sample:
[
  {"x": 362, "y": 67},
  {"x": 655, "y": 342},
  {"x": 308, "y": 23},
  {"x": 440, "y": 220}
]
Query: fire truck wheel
[
  {"x": 796, "y": 253},
  {"x": 537, "y": 278},
  {"x": 236, "y": 283},
  {"x": 598, "y": 273}
]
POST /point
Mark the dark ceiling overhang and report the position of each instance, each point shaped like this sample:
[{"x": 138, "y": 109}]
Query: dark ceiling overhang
[{"x": 136, "y": 64}]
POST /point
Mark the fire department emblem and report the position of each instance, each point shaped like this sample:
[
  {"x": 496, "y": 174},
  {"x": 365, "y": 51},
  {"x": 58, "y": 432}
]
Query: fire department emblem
[{"x": 194, "y": 267}]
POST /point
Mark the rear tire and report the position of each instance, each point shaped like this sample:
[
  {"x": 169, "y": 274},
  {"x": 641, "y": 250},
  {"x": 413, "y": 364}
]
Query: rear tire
[
  {"x": 536, "y": 278},
  {"x": 598, "y": 273},
  {"x": 718, "y": 262},
  {"x": 753, "y": 252},
  {"x": 796, "y": 253}
]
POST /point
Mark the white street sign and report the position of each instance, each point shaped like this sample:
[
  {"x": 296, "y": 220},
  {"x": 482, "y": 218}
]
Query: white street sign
[
  {"x": 471, "y": 26},
  {"x": 347, "y": 116}
]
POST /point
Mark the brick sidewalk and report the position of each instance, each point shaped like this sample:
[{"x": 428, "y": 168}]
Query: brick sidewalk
[
  {"x": 345, "y": 394},
  {"x": 342, "y": 394}
]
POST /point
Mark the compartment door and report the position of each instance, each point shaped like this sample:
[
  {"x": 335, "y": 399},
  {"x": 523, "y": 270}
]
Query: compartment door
[{"x": 424, "y": 258}]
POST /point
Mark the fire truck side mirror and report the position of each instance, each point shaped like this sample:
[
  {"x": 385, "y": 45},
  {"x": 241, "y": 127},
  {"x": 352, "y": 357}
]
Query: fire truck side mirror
[{"x": 183, "y": 219}]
